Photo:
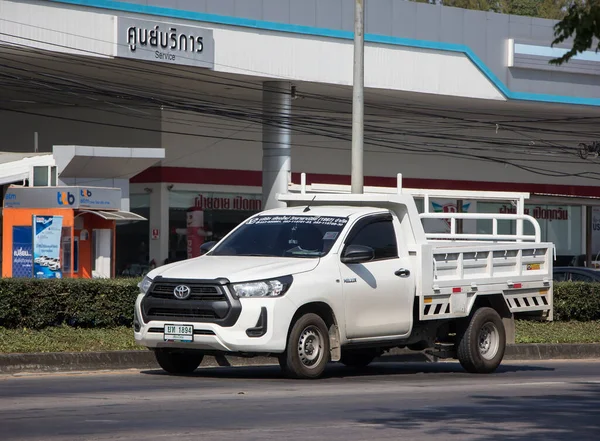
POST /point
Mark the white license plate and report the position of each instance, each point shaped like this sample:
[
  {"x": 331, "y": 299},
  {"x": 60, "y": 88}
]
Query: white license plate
[{"x": 179, "y": 333}]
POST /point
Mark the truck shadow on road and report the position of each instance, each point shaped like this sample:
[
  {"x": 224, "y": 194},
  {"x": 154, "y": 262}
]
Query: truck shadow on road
[
  {"x": 535, "y": 417},
  {"x": 337, "y": 370}
]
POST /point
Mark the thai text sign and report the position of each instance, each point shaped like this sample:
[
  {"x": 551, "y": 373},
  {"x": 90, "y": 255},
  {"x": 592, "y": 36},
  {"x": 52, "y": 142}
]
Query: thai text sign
[{"x": 166, "y": 43}]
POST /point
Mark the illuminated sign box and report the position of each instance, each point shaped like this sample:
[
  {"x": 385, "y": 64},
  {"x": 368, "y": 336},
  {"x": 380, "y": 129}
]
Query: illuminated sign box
[{"x": 76, "y": 197}]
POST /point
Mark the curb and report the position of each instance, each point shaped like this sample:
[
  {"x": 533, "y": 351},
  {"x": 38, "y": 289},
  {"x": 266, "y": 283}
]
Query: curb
[
  {"x": 144, "y": 359},
  {"x": 538, "y": 351}
]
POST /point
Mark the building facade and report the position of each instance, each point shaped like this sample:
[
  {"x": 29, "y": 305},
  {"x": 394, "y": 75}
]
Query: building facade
[{"x": 245, "y": 95}]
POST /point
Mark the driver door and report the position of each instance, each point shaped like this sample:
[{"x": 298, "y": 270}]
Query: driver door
[{"x": 378, "y": 294}]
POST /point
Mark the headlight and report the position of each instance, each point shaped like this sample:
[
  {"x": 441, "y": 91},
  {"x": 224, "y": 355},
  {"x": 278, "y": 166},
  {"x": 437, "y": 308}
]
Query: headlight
[
  {"x": 264, "y": 288},
  {"x": 144, "y": 285}
]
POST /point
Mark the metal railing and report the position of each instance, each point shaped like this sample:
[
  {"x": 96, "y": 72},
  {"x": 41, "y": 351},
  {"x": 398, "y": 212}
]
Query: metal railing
[{"x": 519, "y": 236}]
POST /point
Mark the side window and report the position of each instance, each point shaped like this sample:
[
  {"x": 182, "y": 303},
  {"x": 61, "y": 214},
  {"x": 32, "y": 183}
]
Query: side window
[
  {"x": 380, "y": 236},
  {"x": 560, "y": 276},
  {"x": 575, "y": 277}
]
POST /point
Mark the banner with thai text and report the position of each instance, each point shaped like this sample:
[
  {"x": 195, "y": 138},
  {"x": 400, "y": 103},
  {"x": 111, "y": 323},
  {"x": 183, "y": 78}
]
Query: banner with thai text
[{"x": 22, "y": 252}]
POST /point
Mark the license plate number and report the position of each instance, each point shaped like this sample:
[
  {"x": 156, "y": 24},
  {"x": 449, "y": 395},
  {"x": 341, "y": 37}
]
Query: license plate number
[{"x": 179, "y": 333}]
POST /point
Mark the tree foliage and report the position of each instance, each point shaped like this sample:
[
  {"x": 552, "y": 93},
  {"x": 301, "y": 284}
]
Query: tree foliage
[
  {"x": 582, "y": 23},
  {"x": 553, "y": 9}
]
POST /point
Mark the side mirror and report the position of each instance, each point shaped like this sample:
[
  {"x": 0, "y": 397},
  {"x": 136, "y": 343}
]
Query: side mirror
[
  {"x": 207, "y": 246},
  {"x": 358, "y": 254}
]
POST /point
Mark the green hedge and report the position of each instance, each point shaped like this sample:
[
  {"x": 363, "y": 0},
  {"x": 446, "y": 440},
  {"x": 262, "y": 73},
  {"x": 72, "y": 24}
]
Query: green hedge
[
  {"x": 37, "y": 304},
  {"x": 576, "y": 301}
]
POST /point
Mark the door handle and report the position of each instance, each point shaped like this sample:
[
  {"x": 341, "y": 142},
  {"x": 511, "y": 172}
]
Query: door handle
[{"x": 402, "y": 272}]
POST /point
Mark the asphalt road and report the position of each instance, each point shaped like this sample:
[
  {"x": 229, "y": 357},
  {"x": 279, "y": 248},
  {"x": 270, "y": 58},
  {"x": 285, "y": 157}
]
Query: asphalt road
[{"x": 522, "y": 401}]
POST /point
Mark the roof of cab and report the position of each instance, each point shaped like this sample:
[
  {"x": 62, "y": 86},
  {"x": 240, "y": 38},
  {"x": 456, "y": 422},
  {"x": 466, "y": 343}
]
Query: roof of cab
[{"x": 323, "y": 210}]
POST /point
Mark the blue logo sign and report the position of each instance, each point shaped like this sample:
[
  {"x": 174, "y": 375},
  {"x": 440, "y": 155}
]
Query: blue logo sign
[{"x": 65, "y": 198}]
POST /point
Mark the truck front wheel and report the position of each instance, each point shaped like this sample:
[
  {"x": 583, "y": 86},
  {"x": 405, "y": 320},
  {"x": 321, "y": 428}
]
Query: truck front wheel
[
  {"x": 307, "y": 351},
  {"x": 481, "y": 346},
  {"x": 178, "y": 362}
]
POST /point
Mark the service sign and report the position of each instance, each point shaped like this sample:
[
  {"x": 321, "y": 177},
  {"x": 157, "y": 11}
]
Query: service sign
[
  {"x": 46, "y": 247},
  {"x": 166, "y": 43}
]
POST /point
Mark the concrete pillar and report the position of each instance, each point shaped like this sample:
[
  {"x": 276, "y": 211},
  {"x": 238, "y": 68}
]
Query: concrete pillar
[
  {"x": 277, "y": 149},
  {"x": 159, "y": 220}
]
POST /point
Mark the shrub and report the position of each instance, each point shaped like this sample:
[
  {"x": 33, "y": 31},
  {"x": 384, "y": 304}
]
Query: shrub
[
  {"x": 36, "y": 304},
  {"x": 106, "y": 303},
  {"x": 576, "y": 301}
]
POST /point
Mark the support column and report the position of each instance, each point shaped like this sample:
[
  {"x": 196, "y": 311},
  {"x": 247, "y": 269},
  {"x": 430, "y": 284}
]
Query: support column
[
  {"x": 159, "y": 220},
  {"x": 277, "y": 149},
  {"x": 589, "y": 228}
]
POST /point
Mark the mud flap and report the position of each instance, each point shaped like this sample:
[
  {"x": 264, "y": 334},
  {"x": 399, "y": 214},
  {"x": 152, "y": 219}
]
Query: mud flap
[{"x": 334, "y": 343}]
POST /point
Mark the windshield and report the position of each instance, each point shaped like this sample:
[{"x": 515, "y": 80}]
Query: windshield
[{"x": 283, "y": 236}]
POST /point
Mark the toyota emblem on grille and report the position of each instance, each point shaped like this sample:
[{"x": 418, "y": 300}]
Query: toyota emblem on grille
[{"x": 182, "y": 292}]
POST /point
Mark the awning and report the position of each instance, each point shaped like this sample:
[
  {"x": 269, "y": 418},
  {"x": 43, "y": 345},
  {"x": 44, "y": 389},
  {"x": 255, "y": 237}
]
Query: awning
[
  {"x": 16, "y": 167},
  {"x": 117, "y": 215},
  {"x": 99, "y": 163},
  {"x": 564, "y": 199}
]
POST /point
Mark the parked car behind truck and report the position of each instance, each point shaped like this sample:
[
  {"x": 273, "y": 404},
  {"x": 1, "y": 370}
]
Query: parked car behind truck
[{"x": 346, "y": 277}]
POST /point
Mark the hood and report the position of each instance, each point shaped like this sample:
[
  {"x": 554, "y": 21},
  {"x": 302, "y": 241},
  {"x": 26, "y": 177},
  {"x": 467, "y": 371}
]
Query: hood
[{"x": 235, "y": 268}]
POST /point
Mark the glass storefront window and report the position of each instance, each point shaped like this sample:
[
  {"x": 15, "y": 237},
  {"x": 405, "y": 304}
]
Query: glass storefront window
[
  {"x": 66, "y": 250},
  {"x": 559, "y": 224},
  {"x": 198, "y": 217},
  {"x": 133, "y": 248}
]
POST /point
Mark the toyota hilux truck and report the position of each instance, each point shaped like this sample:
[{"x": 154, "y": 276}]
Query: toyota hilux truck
[{"x": 341, "y": 277}]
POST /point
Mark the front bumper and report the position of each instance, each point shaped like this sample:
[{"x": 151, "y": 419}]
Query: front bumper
[{"x": 246, "y": 335}]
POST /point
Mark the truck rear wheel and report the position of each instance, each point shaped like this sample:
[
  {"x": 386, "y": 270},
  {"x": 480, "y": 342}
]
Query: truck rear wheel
[
  {"x": 178, "y": 362},
  {"x": 481, "y": 347},
  {"x": 307, "y": 352}
]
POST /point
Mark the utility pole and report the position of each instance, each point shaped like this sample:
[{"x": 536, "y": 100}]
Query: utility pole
[{"x": 358, "y": 101}]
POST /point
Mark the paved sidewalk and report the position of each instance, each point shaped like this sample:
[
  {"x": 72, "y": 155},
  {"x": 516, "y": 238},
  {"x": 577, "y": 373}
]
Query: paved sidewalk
[{"x": 144, "y": 359}]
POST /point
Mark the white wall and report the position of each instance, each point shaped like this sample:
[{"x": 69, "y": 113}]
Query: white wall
[
  {"x": 320, "y": 154},
  {"x": 45, "y": 26},
  {"x": 213, "y": 142},
  {"x": 266, "y": 54},
  {"x": 64, "y": 126}
]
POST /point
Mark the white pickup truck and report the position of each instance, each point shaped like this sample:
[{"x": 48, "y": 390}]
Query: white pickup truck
[{"x": 346, "y": 277}]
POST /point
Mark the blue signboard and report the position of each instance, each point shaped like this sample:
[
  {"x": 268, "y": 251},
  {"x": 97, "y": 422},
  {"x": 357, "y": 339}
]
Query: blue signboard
[
  {"x": 22, "y": 252},
  {"x": 46, "y": 247}
]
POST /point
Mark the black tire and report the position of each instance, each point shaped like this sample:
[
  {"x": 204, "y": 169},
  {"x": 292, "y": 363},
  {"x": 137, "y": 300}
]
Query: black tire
[
  {"x": 300, "y": 360},
  {"x": 481, "y": 346},
  {"x": 178, "y": 362},
  {"x": 358, "y": 359}
]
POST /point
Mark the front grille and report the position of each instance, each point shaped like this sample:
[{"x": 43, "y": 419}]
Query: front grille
[
  {"x": 165, "y": 291},
  {"x": 207, "y": 303},
  {"x": 187, "y": 312}
]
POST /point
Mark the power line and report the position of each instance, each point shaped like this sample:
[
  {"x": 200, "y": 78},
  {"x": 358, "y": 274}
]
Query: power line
[{"x": 306, "y": 121}]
